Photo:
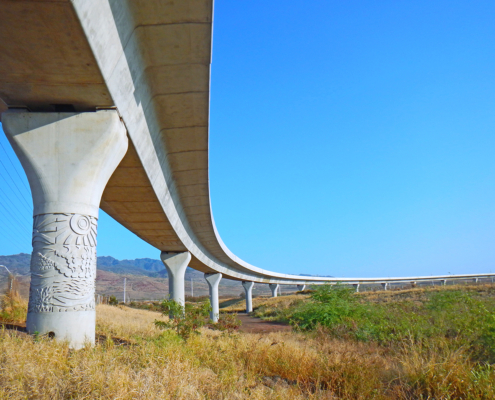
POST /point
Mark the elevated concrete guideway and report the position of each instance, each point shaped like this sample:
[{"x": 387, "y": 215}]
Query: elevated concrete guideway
[{"x": 149, "y": 60}]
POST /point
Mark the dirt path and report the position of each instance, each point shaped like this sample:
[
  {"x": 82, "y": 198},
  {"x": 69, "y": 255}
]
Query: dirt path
[{"x": 257, "y": 325}]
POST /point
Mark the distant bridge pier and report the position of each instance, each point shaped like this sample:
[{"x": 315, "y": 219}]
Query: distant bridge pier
[
  {"x": 443, "y": 282},
  {"x": 475, "y": 280},
  {"x": 213, "y": 281},
  {"x": 385, "y": 285},
  {"x": 176, "y": 264},
  {"x": 274, "y": 288},
  {"x": 356, "y": 287},
  {"x": 68, "y": 159},
  {"x": 300, "y": 288},
  {"x": 248, "y": 288}
]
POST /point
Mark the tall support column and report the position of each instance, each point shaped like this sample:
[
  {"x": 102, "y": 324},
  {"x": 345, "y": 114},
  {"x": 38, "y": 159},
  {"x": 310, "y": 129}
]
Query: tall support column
[
  {"x": 356, "y": 286},
  {"x": 475, "y": 280},
  {"x": 385, "y": 285},
  {"x": 248, "y": 288},
  {"x": 176, "y": 264},
  {"x": 213, "y": 281},
  {"x": 68, "y": 159},
  {"x": 300, "y": 288},
  {"x": 274, "y": 288},
  {"x": 443, "y": 282}
]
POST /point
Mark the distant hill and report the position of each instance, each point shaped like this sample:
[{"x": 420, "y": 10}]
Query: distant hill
[
  {"x": 139, "y": 266},
  {"x": 19, "y": 264},
  {"x": 146, "y": 278}
]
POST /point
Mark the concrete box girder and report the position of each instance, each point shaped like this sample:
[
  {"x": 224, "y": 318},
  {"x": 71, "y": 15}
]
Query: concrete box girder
[{"x": 45, "y": 58}]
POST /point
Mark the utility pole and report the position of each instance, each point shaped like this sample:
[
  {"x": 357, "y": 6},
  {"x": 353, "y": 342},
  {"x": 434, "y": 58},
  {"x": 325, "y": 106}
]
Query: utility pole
[
  {"x": 125, "y": 281},
  {"x": 192, "y": 287},
  {"x": 11, "y": 277}
]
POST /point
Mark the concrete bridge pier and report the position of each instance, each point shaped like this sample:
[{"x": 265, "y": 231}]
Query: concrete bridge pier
[
  {"x": 274, "y": 288},
  {"x": 300, "y": 288},
  {"x": 213, "y": 281},
  {"x": 356, "y": 286},
  {"x": 68, "y": 159},
  {"x": 385, "y": 285},
  {"x": 176, "y": 264},
  {"x": 476, "y": 280},
  {"x": 443, "y": 282},
  {"x": 248, "y": 288}
]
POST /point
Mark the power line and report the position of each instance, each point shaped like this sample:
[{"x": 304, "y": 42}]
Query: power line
[
  {"x": 15, "y": 238},
  {"x": 17, "y": 187},
  {"x": 15, "y": 169},
  {"x": 13, "y": 216},
  {"x": 18, "y": 212}
]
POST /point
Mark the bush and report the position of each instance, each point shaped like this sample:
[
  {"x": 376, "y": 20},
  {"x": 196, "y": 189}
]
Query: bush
[
  {"x": 329, "y": 306},
  {"x": 185, "y": 320},
  {"x": 452, "y": 315}
]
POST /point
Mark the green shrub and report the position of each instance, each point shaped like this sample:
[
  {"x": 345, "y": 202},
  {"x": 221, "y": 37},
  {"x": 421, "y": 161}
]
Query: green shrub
[
  {"x": 452, "y": 315},
  {"x": 185, "y": 320},
  {"x": 329, "y": 306},
  {"x": 113, "y": 301}
]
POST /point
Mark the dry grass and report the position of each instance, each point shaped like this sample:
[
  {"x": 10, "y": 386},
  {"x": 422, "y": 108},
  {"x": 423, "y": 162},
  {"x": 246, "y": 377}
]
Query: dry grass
[
  {"x": 420, "y": 294},
  {"x": 127, "y": 322},
  {"x": 152, "y": 364},
  {"x": 13, "y": 308},
  {"x": 273, "y": 302}
]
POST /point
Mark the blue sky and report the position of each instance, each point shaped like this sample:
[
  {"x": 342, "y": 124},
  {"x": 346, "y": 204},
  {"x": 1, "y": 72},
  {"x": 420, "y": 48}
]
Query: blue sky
[{"x": 347, "y": 138}]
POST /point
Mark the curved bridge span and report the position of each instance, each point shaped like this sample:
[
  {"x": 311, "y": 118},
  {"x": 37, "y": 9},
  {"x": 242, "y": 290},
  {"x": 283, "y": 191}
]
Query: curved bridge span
[{"x": 138, "y": 73}]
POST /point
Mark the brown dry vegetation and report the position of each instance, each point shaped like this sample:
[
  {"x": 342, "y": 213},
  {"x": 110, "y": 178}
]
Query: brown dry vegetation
[{"x": 135, "y": 360}]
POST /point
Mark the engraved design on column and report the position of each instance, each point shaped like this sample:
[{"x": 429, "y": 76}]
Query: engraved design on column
[{"x": 63, "y": 263}]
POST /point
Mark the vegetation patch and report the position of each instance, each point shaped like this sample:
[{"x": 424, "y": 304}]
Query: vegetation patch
[{"x": 443, "y": 354}]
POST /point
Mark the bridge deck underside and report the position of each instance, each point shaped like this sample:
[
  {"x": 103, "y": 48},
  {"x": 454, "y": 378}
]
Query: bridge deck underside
[
  {"x": 45, "y": 59},
  {"x": 151, "y": 60}
]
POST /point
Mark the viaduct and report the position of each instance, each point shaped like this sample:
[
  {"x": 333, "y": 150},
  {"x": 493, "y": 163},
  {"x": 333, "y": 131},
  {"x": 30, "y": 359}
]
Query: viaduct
[{"x": 106, "y": 104}]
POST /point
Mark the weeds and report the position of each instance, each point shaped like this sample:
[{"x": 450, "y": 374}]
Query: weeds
[
  {"x": 13, "y": 308},
  {"x": 185, "y": 320},
  {"x": 327, "y": 362}
]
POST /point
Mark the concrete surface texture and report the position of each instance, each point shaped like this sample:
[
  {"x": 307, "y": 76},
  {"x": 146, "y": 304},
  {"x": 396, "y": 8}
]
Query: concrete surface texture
[
  {"x": 176, "y": 265},
  {"x": 213, "y": 281},
  {"x": 248, "y": 288},
  {"x": 68, "y": 159},
  {"x": 149, "y": 59}
]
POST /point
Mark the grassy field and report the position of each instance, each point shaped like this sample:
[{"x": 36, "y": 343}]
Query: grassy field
[{"x": 333, "y": 359}]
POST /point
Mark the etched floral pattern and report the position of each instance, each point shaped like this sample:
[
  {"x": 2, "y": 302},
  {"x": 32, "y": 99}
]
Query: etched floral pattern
[{"x": 63, "y": 264}]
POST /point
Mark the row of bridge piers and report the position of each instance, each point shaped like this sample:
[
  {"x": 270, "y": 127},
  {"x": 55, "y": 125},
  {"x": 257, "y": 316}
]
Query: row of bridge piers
[
  {"x": 176, "y": 265},
  {"x": 68, "y": 159}
]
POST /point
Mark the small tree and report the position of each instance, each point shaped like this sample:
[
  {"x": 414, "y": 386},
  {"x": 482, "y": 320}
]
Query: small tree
[{"x": 113, "y": 300}]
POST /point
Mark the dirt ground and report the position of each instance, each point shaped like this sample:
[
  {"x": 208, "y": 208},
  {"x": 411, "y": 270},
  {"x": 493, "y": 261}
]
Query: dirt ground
[{"x": 257, "y": 325}]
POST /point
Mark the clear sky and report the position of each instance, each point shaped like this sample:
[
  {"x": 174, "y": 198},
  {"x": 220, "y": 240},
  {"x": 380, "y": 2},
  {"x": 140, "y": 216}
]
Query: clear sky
[{"x": 349, "y": 138}]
